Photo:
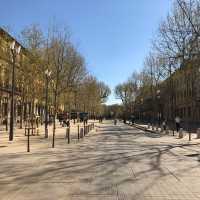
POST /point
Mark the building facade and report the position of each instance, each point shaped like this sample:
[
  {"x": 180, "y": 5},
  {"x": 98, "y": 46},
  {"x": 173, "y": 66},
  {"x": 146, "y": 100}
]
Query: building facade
[
  {"x": 179, "y": 96},
  {"x": 22, "y": 107}
]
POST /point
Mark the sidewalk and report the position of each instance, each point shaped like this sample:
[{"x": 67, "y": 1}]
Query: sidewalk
[
  {"x": 145, "y": 127},
  {"x": 38, "y": 142},
  {"x": 118, "y": 162}
]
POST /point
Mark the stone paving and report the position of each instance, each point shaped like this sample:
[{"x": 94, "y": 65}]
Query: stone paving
[
  {"x": 19, "y": 144},
  {"x": 112, "y": 163}
]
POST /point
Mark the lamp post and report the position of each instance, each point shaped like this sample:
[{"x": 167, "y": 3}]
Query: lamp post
[
  {"x": 159, "y": 110},
  {"x": 47, "y": 74},
  {"x": 15, "y": 50},
  {"x": 141, "y": 110}
]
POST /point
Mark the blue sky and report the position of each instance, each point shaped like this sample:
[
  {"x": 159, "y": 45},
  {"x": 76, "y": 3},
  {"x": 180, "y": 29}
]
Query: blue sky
[{"x": 113, "y": 35}]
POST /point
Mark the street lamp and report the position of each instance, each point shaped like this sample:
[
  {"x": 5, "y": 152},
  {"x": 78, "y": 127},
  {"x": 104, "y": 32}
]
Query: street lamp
[
  {"x": 47, "y": 74},
  {"x": 141, "y": 109},
  {"x": 159, "y": 110},
  {"x": 15, "y": 50}
]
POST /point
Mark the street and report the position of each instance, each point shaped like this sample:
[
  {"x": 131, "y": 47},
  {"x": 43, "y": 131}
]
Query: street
[{"x": 111, "y": 163}]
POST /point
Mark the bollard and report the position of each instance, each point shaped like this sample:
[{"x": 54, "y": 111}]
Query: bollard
[
  {"x": 28, "y": 141},
  {"x": 68, "y": 135},
  {"x": 81, "y": 133},
  {"x": 181, "y": 133},
  {"x": 152, "y": 128},
  {"x": 190, "y": 136},
  {"x": 148, "y": 126},
  {"x": 198, "y": 133},
  {"x": 84, "y": 130},
  {"x": 78, "y": 132}
]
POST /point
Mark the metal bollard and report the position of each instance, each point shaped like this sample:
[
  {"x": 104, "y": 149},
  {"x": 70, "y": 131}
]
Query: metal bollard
[
  {"x": 81, "y": 132},
  {"x": 78, "y": 132},
  {"x": 84, "y": 129},
  {"x": 68, "y": 135},
  {"x": 181, "y": 133},
  {"x": 152, "y": 128},
  {"x": 148, "y": 126},
  {"x": 190, "y": 136},
  {"x": 198, "y": 133},
  {"x": 28, "y": 141},
  {"x": 88, "y": 129}
]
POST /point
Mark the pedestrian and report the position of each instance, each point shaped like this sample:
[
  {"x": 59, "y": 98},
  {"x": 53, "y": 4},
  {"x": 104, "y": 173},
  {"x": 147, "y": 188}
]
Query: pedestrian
[
  {"x": 164, "y": 124},
  {"x": 177, "y": 121},
  {"x": 68, "y": 123},
  {"x": 133, "y": 119}
]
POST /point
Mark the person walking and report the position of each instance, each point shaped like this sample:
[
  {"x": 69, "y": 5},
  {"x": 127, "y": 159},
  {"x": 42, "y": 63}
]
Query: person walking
[
  {"x": 177, "y": 121},
  {"x": 164, "y": 124}
]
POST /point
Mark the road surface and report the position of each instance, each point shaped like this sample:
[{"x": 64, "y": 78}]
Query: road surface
[{"x": 115, "y": 163}]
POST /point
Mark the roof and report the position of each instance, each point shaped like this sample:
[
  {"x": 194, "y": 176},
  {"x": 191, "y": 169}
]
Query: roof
[{"x": 9, "y": 37}]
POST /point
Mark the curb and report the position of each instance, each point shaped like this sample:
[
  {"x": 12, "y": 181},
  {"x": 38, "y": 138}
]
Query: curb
[{"x": 142, "y": 128}]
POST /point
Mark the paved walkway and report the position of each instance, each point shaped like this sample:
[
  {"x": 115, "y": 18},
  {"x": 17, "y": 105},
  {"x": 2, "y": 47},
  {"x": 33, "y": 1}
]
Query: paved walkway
[
  {"x": 114, "y": 163},
  {"x": 38, "y": 142}
]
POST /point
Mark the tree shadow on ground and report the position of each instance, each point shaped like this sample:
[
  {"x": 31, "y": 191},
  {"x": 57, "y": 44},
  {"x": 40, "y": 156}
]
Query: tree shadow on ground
[{"x": 111, "y": 158}]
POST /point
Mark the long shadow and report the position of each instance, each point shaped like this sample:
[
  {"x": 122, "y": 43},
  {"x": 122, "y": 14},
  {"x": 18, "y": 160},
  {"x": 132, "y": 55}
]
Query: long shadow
[{"x": 99, "y": 160}]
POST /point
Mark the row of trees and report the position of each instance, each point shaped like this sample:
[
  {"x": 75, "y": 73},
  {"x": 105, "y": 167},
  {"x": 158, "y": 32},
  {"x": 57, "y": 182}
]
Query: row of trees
[
  {"x": 176, "y": 44},
  {"x": 52, "y": 57}
]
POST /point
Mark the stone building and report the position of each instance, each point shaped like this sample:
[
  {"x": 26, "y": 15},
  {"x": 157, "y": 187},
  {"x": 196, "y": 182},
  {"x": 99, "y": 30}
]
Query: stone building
[
  {"x": 21, "y": 108},
  {"x": 179, "y": 96}
]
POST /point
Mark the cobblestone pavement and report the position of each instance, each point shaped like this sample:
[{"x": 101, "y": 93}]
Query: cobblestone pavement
[{"x": 114, "y": 163}]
